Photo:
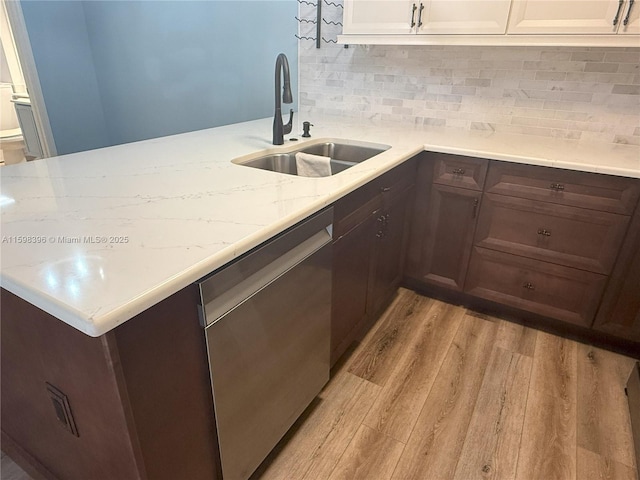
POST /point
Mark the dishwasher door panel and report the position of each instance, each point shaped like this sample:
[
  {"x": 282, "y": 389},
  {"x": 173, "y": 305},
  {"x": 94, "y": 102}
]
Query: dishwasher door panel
[{"x": 269, "y": 358}]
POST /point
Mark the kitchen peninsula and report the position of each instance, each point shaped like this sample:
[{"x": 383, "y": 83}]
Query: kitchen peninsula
[{"x": 107, "y": 326}]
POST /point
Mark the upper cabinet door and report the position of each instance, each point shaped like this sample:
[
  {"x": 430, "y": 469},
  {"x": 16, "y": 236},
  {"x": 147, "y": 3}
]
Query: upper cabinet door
[
  {"x": 568, "y": 16},
  {"x": 464, "y": 17},
  {"x": 380, "y": 17}
]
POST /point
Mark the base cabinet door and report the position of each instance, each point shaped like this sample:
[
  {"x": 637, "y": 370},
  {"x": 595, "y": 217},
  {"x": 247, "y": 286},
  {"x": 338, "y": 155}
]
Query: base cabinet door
[
  {"x": 619, "y": 313},
  {"x": 447, "y": 204},
  {"x": 370, "y": 228},
  {"x": 388, "y": 254},
  {"x": 448, "y": 237},
  {"x": 351, "y": 270}
]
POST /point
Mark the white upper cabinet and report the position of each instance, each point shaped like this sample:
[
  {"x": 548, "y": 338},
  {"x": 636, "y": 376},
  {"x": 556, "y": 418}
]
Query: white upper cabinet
[
  {"x": 574, "y": 17},
  {"x": 630, "y": 23},
  {"x": 464, "y": 17},
  {"x": 379, "y": 17}
]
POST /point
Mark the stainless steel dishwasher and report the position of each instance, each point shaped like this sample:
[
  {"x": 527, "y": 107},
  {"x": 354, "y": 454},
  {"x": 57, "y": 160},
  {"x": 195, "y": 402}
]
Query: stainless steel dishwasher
[{"x": 267, "y": 317}]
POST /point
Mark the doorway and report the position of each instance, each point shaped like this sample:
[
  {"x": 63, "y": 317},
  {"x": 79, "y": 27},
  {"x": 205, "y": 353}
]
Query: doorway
[{"x": 25, "y": 133}]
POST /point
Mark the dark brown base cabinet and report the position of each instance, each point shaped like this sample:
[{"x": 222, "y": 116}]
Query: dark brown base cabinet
[
  {"x": 448, "y": 195},
  {"x": 619, "y": 313},
  {"x": 134, "y": 403},
  {"x": 538, "y": 240},
  {"x": 370, "y": 232}
]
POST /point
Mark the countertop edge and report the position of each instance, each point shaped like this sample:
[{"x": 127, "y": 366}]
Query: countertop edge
[{"x": 96, "y": 324}]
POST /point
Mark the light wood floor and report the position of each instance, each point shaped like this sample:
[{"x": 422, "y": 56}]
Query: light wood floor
[{"x": 435, "y": 391}]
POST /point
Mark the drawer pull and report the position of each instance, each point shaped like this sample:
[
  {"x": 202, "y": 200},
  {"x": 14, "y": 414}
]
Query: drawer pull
[
  {"x": 458, "y": 171},
  {"x": 557, "y": 187},
  {"x": 529, "y": 286},
  {"x": 544, "y": 231},
  {"x": 420, "y": 15},
  {"x": 626, "y": 19},
  {"x": 617, "y": 17},
  {"x": 380, "y": 234},
  {"x": 385, "y": 189}
]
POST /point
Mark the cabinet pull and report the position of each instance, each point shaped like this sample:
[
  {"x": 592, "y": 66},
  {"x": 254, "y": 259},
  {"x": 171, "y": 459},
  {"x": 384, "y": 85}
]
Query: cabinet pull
[
  {"x": 557, "y": 187},
  {"x": 413, "y": 15},
  {"x": 385, "y": 189},
  {"x": 458, "y": 171},
  {"x": 380, "y": 234},
  {"x": 529, "y": 286},
  {"x": 626, "y": 19},
  {"x": 617, "y": 17},
  {"x": 420, "y": 15},
  {"x": 475, "y": 208},
  {"x": 544, "y": 231}
]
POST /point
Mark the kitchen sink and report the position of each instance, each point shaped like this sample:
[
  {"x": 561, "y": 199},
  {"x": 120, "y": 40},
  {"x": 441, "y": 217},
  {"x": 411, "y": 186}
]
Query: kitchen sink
[{"x": 343, "y": 156}]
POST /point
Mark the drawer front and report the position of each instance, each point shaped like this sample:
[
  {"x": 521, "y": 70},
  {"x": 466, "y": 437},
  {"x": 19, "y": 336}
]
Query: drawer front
[
  {"x": 355, "y": 207},
  {"x": 566, "y": 187},
  {"x": 459, "y": 171},
  {"x": 546, "y": 289},
  {"x": 570, "y": 236}
]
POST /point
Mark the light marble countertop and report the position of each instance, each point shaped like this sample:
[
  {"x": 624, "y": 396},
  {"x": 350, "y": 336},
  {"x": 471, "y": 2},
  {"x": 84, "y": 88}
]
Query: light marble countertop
[{"x": 95, "y": 238}]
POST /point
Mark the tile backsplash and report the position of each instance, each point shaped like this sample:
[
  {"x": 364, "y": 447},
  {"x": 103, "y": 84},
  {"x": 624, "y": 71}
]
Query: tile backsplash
[{"x": 568, "y": 92}]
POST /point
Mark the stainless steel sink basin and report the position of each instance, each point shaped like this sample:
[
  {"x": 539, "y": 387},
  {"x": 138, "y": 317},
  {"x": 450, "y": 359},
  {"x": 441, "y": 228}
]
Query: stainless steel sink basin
[{"x": 343, "y": 156}]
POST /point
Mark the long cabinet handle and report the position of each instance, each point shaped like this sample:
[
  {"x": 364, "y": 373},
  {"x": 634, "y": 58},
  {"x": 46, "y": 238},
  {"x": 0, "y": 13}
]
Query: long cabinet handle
[
  {"x": 413, "y": 15},
  {"x": 475, "y": 208},
  {"x": 420, "y": 15},
  {"x": 617, "y": 17},
  {"x": 626, "y": 19}
]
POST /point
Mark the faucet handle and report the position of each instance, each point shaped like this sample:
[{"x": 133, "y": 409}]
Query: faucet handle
[{"x": 289, "y": 126}]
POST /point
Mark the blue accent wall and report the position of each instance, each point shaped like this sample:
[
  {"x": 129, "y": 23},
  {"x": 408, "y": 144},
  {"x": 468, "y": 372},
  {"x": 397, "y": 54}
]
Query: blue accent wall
[
  {"x": 144, "y": 69},
  {"x": 64, "y": 61}
]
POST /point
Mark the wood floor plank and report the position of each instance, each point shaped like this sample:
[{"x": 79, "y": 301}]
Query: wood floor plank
[
  {"x": 371, "y": 455},
  {"x": 492, "y": 443},
  {"x": 378, "y": 353},
  {"x": 437, "y": 438},
  {"x": 592, "y": 466},
  {"x": 604, "y": 426},
  {"x": 555, "y": 366},
  {"x": 317, "y": 441},
  {"x": 397, "y": 408},
  {"x": 516, "y": 338},
  {"x": 548, "y": 446}
]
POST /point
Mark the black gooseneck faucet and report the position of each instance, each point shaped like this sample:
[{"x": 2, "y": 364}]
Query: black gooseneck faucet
[{"x": 282, "y": 64}]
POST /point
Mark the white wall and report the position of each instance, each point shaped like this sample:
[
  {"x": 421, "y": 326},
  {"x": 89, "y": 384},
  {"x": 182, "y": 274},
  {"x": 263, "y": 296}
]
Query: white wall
[{"x": 576, "y": 93}]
